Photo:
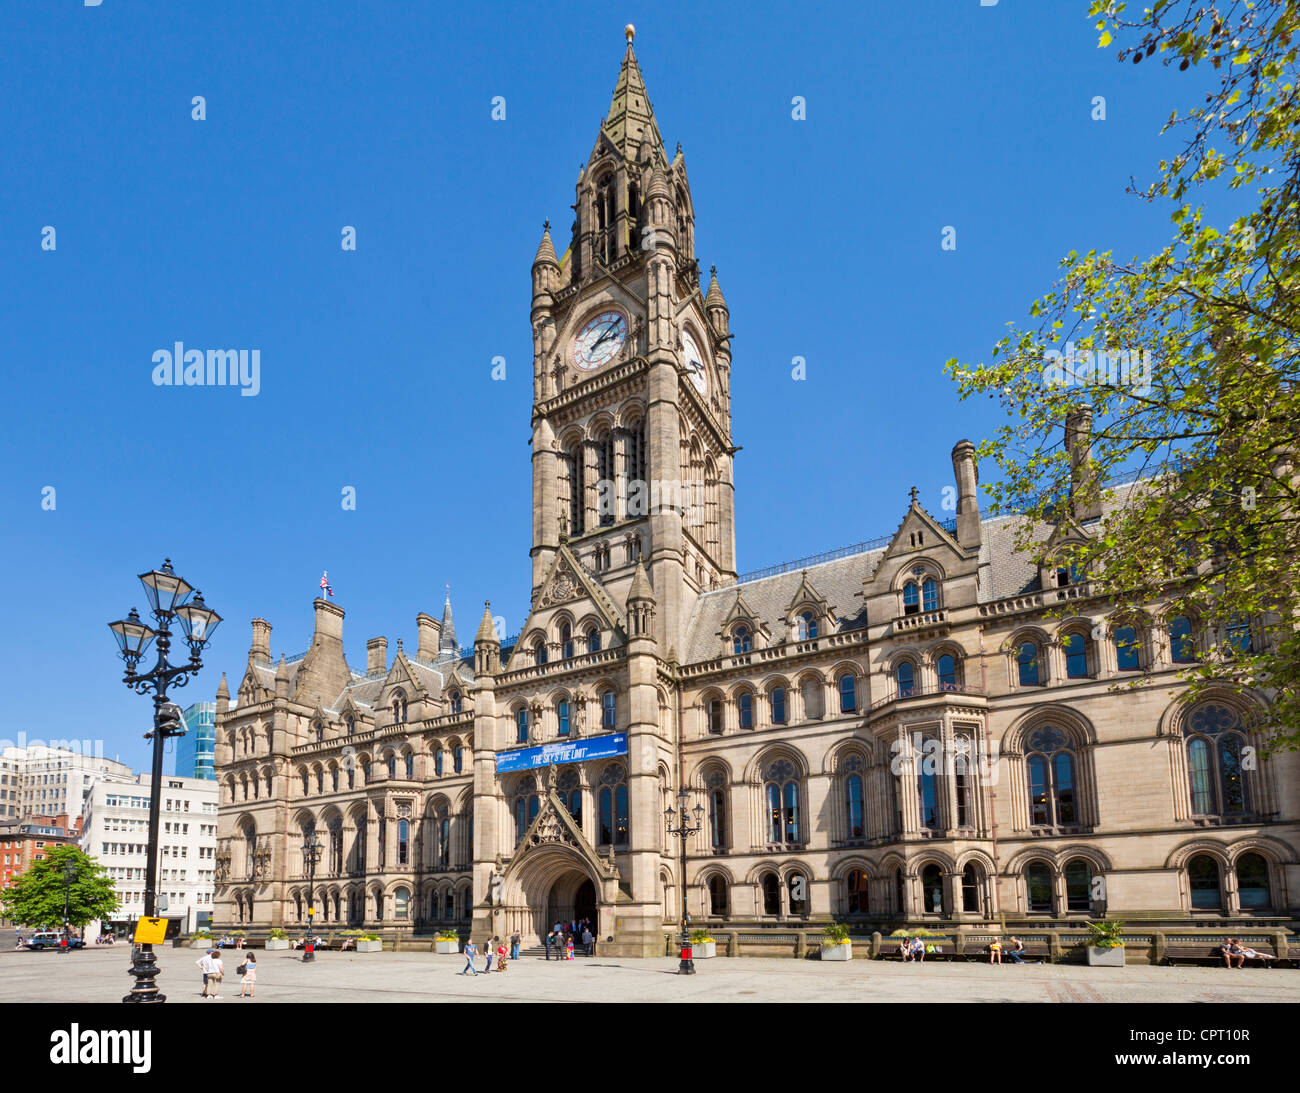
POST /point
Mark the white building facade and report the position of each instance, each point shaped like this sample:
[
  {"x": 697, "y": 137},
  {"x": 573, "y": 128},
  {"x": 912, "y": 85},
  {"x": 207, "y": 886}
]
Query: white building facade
[
  {"x": 116, "y": 832},
  {"x": 41, "y": 780}
]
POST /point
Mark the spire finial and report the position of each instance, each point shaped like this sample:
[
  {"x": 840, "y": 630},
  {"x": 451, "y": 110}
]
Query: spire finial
[
  {"x": 630, "y": 31},
  {"x": 546, "y": 225},
  {"x": 914, "y": 495}
]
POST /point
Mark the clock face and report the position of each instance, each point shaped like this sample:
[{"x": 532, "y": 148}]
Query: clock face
[
  {"x": 599, "y": 341},
  {"x": 694, "y": 361}
]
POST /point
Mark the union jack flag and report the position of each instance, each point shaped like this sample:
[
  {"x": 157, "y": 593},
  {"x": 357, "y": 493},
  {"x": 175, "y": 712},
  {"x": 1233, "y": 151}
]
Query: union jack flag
[{"x": 325, "y": 584}]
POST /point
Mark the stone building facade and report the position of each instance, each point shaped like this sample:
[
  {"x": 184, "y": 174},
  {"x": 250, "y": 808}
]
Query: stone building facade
[{"x": 904, "y": 732}]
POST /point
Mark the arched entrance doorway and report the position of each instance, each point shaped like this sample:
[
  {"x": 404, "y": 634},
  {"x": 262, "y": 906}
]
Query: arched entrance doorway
[
  {"x": 545, "y": 885},
  {"x": 571, "y": 899}
]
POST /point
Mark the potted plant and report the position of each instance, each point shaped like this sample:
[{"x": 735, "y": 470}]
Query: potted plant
[
  {"x": 201, "y": 939},
  {"x": 703, "y": 947},
  {"x": 447, "y": 941},
  {"x": 836, "y": 944},
  {"x": 1104, "y": 947},
  {"x": 276, "y": 938},
  {"x": 369, "y": 943}
]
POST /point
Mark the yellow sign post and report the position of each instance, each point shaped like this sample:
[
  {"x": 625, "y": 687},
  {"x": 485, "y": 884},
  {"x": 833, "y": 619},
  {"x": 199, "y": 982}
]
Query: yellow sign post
[{"x": 151, "y": 931}]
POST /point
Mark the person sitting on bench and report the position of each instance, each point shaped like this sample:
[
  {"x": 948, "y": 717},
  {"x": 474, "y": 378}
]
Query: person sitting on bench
[{"x": 1015, "y": 949}]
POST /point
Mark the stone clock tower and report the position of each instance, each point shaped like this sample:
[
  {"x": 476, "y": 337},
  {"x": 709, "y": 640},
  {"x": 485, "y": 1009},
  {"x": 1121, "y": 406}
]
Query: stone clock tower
[{"x": 632, "y": 452}]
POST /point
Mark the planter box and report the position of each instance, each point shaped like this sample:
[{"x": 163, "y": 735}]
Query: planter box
[
  {"x": 369, "y": 946},
  {"x": 442, "y": 945},
  {"x": 274, "y": 943},
  {"x": 1105, "y": 958},
  {"x": 703, "y": 950},
  {"x": 206, "y": 943},
  {"x": 837, "y": 952}
]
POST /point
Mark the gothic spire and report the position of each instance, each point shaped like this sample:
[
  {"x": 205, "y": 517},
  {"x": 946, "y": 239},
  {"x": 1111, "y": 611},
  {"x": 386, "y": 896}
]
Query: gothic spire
[
  {"x": 546, "y": 249},
  {"x": 447, "y": 634},
  {"x": 714, "y": 298},
  {"x": 631, "y": 120}
]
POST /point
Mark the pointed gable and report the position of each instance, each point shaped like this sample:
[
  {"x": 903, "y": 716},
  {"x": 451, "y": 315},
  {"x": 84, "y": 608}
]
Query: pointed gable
[{"x": 569, "y": 581}]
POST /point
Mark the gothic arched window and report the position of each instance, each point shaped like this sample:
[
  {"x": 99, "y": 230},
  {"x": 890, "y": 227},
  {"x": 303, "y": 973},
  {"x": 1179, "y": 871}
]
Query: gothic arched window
[
  {"x": 1078, "y": 885},
  {"x": 562, "y": 716},
  {"x": 806, "y": 626},
  {"x": 521, "y": 725},
  {"x": 971, "y": 878},
  {"x": 457, "y": 758},
  {"x": 848, "y": 693},
  {"x": 539, "y": 651},
  {"x": 1038, "y": 886},
  {"x": 437, "y": 762},
  {"x": 1127, "y": 658},
  {"x": 911, "y": 599},
  {"x": 1075, "y": 647},
  {"x": 526, "y": 806},
  {"x": 932, "y": 890},
  {"x": 905, "y": 677},
  {"x": 717, "y": 895},
  {"x": 776, "y": 699},
  {"x": 1203, "y": 880},
  {"x": 1049, "y": 763},
  {"x": 782, "y": 795},
  {"x": 854, "y": 800},
  {"x": 717, "y": 787},
  {"x": 929, "y": 595},
  {"x": 1252, "y": 883},
  {"x": 613, "y": 806},
  {"x": 593, "y": 640},
  {"x": 455, "y": 702},
  {"x": 1027, "y": 664},
  {"x": 1182, "y": 646},
  {"x": 1215, "y": 742},
  {"x": 745, "y": 709},
  {"x": 855, "y": 892},
  {"x": 566, "y": 642},
  {"x": 771, "y": 894},
  {"x": 946, "y": 668},
  {"x": 741, "y": 640},
  {"x": 607, "y": 709},
  {"x": 399, "y": 709}
]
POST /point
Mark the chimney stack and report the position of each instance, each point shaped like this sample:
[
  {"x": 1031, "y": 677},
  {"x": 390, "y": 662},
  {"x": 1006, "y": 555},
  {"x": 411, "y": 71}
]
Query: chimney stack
[
  {"x": 260, "y": 650},
  {"x": 966, "y": 471},
  {"x": 429, "y": 630},
  {"x": 1085, "y": 499},
  {"x": 377, "y": 657}
]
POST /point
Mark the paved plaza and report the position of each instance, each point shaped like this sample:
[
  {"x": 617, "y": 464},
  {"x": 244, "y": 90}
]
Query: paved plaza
[{"x": 100, "y": 975}]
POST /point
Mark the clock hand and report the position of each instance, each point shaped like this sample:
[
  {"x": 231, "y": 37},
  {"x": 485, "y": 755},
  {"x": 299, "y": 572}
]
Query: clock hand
[{"x": 609, "y": 330}]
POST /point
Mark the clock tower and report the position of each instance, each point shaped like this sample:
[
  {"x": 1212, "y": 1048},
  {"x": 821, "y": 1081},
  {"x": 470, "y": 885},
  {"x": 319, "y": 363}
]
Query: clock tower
[{"x": 632, "y": 452}]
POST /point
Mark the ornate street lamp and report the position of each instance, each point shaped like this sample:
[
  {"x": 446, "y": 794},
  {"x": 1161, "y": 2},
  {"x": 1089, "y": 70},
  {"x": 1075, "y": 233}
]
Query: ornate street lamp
[
  {"x": 311, "y": 851},
  {"x": 169, "y": 598},
  {"x": 684, "y": 830}
]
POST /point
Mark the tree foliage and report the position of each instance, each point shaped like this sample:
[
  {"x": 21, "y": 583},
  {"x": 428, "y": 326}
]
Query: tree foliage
[
  {"x": 1212, "y": 430},
  {"x": 35, "y": 898}
]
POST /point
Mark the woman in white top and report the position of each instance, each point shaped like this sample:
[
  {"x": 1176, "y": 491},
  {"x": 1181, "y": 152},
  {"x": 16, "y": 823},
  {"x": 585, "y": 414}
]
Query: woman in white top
[{"x": 249, "y": 981}]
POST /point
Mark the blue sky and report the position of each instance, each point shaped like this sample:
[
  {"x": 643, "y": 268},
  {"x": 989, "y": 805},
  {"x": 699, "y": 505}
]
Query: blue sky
[{"x": 376, "y": 364}]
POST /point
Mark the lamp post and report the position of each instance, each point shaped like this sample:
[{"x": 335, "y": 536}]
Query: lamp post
[
  {"x": 311, "y": 850},
  {"x": 684, "y": 830},
  {"x": 171, "y": 603},
  {"x": 69, "y": 875}
]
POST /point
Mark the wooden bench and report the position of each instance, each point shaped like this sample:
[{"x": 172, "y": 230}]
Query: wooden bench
[
  {"x": 1192, "y": 949},
  {"x": 1038, "y": 947},
  {"x": 946, "y": 944}
]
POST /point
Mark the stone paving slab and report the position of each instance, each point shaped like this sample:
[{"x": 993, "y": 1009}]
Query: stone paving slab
[{"x": 101, "y": 976}]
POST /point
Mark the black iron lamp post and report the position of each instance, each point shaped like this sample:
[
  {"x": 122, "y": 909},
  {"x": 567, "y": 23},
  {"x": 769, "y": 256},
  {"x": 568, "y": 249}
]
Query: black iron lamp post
[
  {"x": 311, "y": 851},
  {"x": 69, "y": 875},
  {"x": 171, "y": 603},
  {"x": 684, "y": 830}
]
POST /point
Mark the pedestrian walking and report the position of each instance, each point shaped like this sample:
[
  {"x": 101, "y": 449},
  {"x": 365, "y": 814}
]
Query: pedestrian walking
[
  {"x": 515, "y": 942},
  {"x": 587, "y": 939},
  {"x": 471, "y": 951},
  {"x": 549, "y": 938},
  {"x": 248, "y": 970},
  {"x": 487, "y": 954},
  {"x": 213, "y": 971}
]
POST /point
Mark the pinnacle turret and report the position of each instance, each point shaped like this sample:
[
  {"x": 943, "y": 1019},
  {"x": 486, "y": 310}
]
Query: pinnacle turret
[{"x": 447, "y": 633}]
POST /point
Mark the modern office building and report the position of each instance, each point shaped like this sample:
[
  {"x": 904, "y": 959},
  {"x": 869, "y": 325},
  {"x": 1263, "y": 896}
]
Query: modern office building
[
  {"x": 195, "y": 750},
  {"x": 116, "y": 832}
]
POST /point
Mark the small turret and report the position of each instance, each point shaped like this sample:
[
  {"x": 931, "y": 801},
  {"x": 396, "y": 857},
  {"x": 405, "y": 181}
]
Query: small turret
[
  {"x": 487, "y": 646},
  {"x": 641, "y": 605},
  {"x": 223, "y": 695},
  {"x": 282, "y": 679}
]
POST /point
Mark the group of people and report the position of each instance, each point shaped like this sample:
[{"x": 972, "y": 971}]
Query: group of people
[
  {"x": 1232, "y": 949},
  {"x": 492, "y": 946},
  {"x": 230, "y": 942},
  {"x": 214, "y": 972},
  {"x": 563, "y": 935},
  {"x": 1014, "y": 948},
  {"x": 913, "y": 948}
]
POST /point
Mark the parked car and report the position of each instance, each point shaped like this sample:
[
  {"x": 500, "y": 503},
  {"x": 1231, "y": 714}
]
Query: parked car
[{"x": 51, "y": 939}]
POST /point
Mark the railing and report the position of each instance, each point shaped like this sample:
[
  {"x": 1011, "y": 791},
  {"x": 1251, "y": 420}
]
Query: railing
[
  {"x": 506, "y": 643},
  {"x": 922, "y": 692},
  {"x": 921, "y": 621},
  {"x": 297, "y": 657},
  {"x": 949, "y": 525}
]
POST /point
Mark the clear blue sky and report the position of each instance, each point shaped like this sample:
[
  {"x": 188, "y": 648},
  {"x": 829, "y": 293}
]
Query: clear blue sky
[{"x": 375, "y": 365}]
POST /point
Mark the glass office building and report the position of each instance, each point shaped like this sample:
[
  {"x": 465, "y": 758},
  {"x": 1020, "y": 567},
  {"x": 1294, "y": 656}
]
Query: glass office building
[{"x": 196, "y": 750}]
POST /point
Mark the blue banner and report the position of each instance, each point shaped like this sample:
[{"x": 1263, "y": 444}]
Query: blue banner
[{"x": 562, "y": 751}]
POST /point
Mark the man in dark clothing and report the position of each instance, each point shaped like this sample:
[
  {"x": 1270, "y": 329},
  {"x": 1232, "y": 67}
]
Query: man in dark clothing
[
  {"x": 587, "y": 939},
  {"x": 549, "y": 938}
]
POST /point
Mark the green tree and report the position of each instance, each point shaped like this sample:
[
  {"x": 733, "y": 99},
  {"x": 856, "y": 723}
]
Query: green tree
[
  {"x": 35, "y": 898},
  {"x": 1212, "y": 430}
]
